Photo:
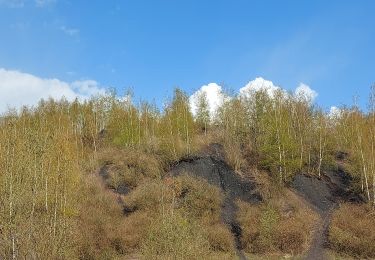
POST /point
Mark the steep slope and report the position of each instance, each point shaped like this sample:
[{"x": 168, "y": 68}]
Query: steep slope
[
  {"x": 323, "y": 194},
  {"x": 212, "y": 167}
]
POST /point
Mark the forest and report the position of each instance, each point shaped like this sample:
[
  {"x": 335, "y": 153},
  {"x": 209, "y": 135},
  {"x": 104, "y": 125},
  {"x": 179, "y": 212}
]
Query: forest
[{"x": 111, "y": 178}]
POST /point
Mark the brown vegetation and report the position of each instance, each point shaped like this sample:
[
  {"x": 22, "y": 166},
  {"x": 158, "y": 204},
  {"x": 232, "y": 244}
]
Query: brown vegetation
[
  {"x": 351, "y": 231},
  {"x": 282, "y": 225},
  {"x": 51, "y": 206}
]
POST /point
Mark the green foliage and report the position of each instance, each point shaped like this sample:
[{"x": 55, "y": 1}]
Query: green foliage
[
  {"x": 39, "y": 182},
  {"x": 203, "y": 112},
  {"x": 268, "y": 223},
  {"x": 177, "y": 126},
  {"x": 45, "y": 152}
]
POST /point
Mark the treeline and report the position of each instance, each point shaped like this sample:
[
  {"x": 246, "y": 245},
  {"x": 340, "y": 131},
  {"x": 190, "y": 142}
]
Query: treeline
[
  {"x": 44, "y": 151},
  {"x": 40, "y": 151}
]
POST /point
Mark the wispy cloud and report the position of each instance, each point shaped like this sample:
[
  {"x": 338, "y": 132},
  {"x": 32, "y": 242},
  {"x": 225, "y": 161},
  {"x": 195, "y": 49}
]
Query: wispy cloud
[
  {"x": 23, "y": 3},
  {"x": 69, "y": 31},
  {"x": 12, "y": 3},
  {"x": 44, "y": 3}
]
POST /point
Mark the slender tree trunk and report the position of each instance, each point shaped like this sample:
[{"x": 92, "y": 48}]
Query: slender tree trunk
[
  {"x": 320, "y": 153},
  {"x": 365, "y": 175}
]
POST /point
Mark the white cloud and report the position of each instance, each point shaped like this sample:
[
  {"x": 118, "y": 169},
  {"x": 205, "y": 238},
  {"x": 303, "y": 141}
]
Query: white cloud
[
  {"x": 18, "y": 89},
  {"x": 69, "y": 31},
  {"x": 305, "y": 92},
  {"x": 334, "y": 112},
  {"x": 302, "y": 91},
  {"x": 215, "y": 98},
  {"x": 257, "y": 85}
]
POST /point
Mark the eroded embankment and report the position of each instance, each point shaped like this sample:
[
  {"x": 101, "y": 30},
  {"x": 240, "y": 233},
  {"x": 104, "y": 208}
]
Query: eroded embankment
[
  {"x": 217, "y": 172},
  {"x": 210, "y": 166},
  {"x": 323, "y": 194}
]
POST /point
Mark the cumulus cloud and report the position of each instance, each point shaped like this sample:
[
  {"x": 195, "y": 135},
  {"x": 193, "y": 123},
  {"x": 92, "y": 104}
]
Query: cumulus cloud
[
  {"x": 259, "y": 84},
  {"x": 305, "y": 92},
  {"x": 215, "y": 98},
  {"x": 18, "y": 89},
  {"x": 334, "y": 112}
]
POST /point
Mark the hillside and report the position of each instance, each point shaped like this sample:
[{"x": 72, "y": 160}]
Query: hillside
[{"x": 263, "y": 176}]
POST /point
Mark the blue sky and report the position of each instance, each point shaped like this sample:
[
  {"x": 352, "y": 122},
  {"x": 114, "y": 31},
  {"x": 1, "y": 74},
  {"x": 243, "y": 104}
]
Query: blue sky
[{"x": 153, "y": 46}]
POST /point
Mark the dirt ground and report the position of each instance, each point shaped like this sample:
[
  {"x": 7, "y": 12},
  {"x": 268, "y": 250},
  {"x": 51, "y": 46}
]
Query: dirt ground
[{"x": 323, "y": 194}]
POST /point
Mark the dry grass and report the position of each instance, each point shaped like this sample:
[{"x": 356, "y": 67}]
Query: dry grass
[
  {"x": 201, "y": 201},
  {"x": 193, "y": 201},
  {"x": 197, "y": 197},
  {"x": 189, "y": 225},
  {"x": 172, "y": 236},
  {"x": 103, "y": 232},
  {"x": 352, "y": 231},
  {"x": 129, "y": 167},
  {"x": 219, "y": 238},
  {"x": 149, "y": 195},
  {"x": 233, "y": 155},
  {"x": 283, "y": 225},
  {"x": 99, "y": 224}
]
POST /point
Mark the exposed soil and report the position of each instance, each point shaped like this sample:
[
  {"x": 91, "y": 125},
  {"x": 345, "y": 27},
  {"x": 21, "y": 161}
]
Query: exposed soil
[
  {"x": 324, "y": 194},
  {"x": 212, "y": 167},
  {"x": 121, "y": 189}
]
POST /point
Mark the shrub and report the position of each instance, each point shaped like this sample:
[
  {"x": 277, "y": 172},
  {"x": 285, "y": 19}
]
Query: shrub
[
  {"x": 149, "y": 196},
  {"x": 233, "y": 154},
  {"x": 220, "y": 238},
  {"x": 100, "y": 223},
  {"x": 172, "y": 236},
  {"x": 269, "y": 219},
  {"x": 197, "y": 197},
  {"x": 134, "y": 229},
  {"x": 193, "y": 198},
  {"x": 283, "y": 225},
  {"x": 351, "y": 231},
  {"x": 129, "y": 167}
]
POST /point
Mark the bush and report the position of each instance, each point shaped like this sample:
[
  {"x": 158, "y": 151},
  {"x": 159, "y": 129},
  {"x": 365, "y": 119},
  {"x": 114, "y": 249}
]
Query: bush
[
  {"x": 233, "y": 155},
  {"x": 197, "y": 197},
  {"x": 269, "y": 220},
  {"x": 220, "y": 238},
  {"x": 201, "y": 201},
  {"x": 129, "y": 167},
  {"x": 351, "y": 231},
  {"x": 283, "y": 225},
  {"x": 193, "y": 198},
  {"x": 149, "y": 195},
  {"x": 174, "y": 237},
  {"x": 134, "y": 229},
  {"x": 100, "y": 223}
]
